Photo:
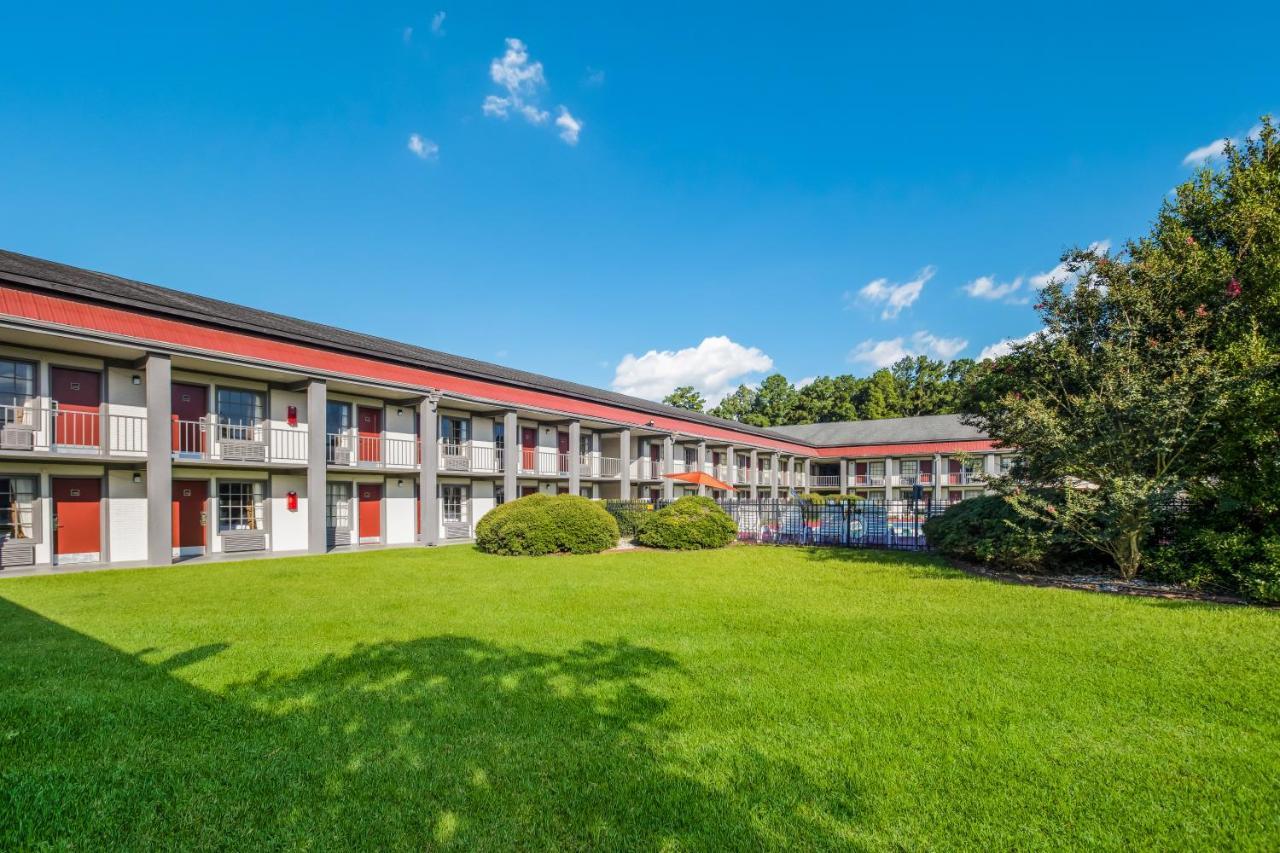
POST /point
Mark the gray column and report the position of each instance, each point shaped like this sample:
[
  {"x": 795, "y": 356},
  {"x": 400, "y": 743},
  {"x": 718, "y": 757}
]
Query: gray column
[
  {"x": 939, "y": 495},
  {"x": 575, "y": 465},
  {"x": 510, "y": 455},
  {"x": 754, "y": 476},
  {"x": 624, "y": 462},
  {"x": 774, "y": 463},
  {"x": 317, "y": 467},
  {"x": 160, "y": 461},
  {"x": 428, "y": 433},
  {"x": 730, "y": 467},
  {"x": 702, "y": 464},
  {"x": 888, "y": 478},
  {"x": 844, "y": 476},
  {"x": 668, "y": 466}
]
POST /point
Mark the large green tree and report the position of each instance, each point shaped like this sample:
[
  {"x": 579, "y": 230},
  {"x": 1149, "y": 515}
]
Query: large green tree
[
  {"x": 1155, "y": 375},
  {"x": 686, "y": 397}
]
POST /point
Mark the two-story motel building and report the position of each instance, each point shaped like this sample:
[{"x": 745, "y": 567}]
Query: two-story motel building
[{"x": 141, "y": 425}]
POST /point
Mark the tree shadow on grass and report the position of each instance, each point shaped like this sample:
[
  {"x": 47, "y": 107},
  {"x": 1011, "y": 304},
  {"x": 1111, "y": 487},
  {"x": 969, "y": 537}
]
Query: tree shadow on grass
[{"x": 436, "y": 741}]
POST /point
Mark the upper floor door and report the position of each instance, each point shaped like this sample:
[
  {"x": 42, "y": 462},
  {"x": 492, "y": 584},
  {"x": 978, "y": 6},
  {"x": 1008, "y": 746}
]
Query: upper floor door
[
  {"x": 369, "y": 421},
  {"x": 190, "y": 407},
  {"x": 77, "y": 397}
]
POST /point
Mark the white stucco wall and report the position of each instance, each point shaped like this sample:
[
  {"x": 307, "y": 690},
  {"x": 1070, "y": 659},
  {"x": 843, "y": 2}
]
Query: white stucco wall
[
  {"x": 126, "y": 516},
  {"x": 398, "y": 518},
  {"x": 288, "y": 529}
]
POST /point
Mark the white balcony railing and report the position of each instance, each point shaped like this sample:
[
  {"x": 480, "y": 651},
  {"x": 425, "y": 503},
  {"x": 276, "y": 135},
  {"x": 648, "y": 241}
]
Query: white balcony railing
[
  {"x": 924, "y": 478},
  {"x": 468, "y": 456},
  {"x": 868, "y": 480},
  {"x": 825, "y": 481},
  {"x": 964, "y": 478},
  {"x": 54, "y": 430},
  {"x": 212, "y": 440},
  {"x": 599, "y": 467},
  {"x": 371, "y": 451}
]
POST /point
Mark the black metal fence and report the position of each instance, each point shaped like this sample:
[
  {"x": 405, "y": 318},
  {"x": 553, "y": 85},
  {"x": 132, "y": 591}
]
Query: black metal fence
[{"x": 863, "y": 524}]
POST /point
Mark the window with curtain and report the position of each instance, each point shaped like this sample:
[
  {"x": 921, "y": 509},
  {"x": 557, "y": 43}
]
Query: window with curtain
[
  {"x": 455, "y": 430},
  {"x": 17, "y": 507},
  {"x": 337, "y": 509},
  {"x": 17, "y": 386},
  {"x": 240, "y": 505}
]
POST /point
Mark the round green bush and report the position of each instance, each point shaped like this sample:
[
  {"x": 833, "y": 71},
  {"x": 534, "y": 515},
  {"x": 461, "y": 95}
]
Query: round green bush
[
  {"x": 987, "y": 530},
  {"x": 689, "y": 523},
  {"x": 546, "y": 524}
]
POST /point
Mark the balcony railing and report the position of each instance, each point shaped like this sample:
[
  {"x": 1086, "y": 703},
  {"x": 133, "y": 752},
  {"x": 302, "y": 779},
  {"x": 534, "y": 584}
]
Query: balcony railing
[
  {"x": 924, "y": 478},
  {"x": 599, "y": 467},
  {"x": 467, "y": 456},
  {"x": 54, "y": 430},
  {"x": 964, "y": 478},
  {"x": 543, "y": 462},
  {"x": 213, "y": 440},
  {"x": 371, "y": 451},
  {"x": 648, "y": 469},
  {"x": 742, "y": 476},
  {"x": 825, "y": 481}
]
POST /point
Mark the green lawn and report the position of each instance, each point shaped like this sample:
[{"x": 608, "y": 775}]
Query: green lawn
[{"x": 749, "y": 698}]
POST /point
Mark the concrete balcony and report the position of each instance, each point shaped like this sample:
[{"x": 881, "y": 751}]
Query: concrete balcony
[
  {"x": 592, "y": 467},
  {"x": 964, "y": 478},
  {"x": 466, "y": 456},
  {"x": 924, "y": 478},
  {"x": 30, "y": 430},
  {"x": 208, "y": 440},
  {"x": 824, "y": 481},
  {"x": 863, "y": 481},
  {"x": 345, "y": 450}
]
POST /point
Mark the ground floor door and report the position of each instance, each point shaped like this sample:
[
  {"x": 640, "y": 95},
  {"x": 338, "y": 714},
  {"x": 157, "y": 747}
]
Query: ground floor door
[
  {"x": 370, "y": 495},
  {"x": 77, "y": 519},
  {"x": 190, "y": 517},
  {"x": 525, "y": 491}
]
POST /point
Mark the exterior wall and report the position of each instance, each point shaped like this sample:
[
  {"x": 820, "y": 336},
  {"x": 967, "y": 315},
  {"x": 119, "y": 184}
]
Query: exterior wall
[
  {"x": 127, "y": 517},
  {"x": 399, "y": 511},
  {"x": 288, "y": 529}
]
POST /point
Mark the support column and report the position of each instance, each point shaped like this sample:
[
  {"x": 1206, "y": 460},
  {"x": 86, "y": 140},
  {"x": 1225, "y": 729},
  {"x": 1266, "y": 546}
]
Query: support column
[
  {"x": 160, "y": 460},
  {"x": 624, "y": 463},
  {"x": 888, "y": 478},
  {"x": 429, "y": 500},
  {"x": 754, "y": 476},
  {"x": 668, "y": 467},
  {"x": 939, "y": 494},
  {"x": 774, "y": 463},
  {"x": 317, "y": 467},
  {"x": 702, "y": 464},
  {"x": 510, "y": 456},
  {"x": 575, "y": 454},
  {"x": 731, "y": 468},
  {"x": 844, "y": 476}
]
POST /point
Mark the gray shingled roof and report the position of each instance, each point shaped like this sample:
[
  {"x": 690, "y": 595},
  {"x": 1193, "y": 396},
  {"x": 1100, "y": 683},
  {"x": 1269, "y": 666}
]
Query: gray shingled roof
[
  {"x": 885, "y": 431},
  {"x": 102, "y": 287}
]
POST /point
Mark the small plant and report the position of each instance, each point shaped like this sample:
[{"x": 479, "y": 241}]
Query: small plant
[
  {"x": 545, "y": 524},
  {"x": 689, "y": 523}
]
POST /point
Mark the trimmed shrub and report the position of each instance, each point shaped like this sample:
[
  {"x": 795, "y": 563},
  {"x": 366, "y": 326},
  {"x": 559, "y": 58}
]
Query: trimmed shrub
[
  {"x": 546, "y": 524},
  {"x": 688, "y": 524},
  {"x": 823, "y": 500},
  {"x": 987, "y": 530}
]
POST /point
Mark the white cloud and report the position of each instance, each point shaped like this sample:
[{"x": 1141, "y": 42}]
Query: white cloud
[
  {"x": 1003, "y": 347},
  {"x": 986, "y": 287},
  {"x": 894, "y": 297},
  {"x": 877, "y": 354},
  {"x": 1060, "y": 272},
  {"x": 523, "y": 82},
  {"x": 714, "y": 367},
  {"x": 423, "y": 148},
  {"x": 437, "y": 23},
  {"x": 569, "y": 126},
  {"x": 808, "y": 380},
  {"x": 1205, "y": 152}
]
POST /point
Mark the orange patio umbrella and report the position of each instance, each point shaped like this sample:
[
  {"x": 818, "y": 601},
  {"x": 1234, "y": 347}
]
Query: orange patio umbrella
[{"x": 700, "y": 478}]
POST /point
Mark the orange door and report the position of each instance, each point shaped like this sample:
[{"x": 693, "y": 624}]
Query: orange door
[
  {"x": 189, "y": 520},
  {"x": 190, "y": 403},
  {"x": 528, "y": 448},
  {"x": 76, "y": 516},
  {"x": 370, "y": 422},
  {"x": 370, "y": 511},
  {"x": 77, "y": 395},
  {"x": 953, "y": 471}
]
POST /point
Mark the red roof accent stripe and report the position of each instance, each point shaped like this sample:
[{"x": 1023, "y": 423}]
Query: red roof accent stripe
[{"x": 142, "y": 328}]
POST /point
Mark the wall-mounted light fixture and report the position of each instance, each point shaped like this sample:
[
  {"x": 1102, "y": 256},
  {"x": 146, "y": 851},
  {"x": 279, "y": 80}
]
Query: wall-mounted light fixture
[
  {"x": 399, "y": 411},
  {"x": 137, "y": 380},
  {"x": 137, "y": 477},
  {"x": 399, "y": 482}
]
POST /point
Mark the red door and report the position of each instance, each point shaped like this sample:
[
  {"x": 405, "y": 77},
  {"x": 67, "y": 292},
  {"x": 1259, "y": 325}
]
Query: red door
[
  {"x": 953, "y": 471},
  {"x": 369, "y": 420},
  {"x": 370, "y": 511},
  {"x": 926, "y": 471},
  {"x": 528, "y": 447},
  {"x": 525, "y": 491},
  {"x": 190, "y": 404},
  {"x": 189, "y": 519},
  {"x": 562, "y": 445},
  {"x": 655, "y": 460},
  {"x": 76, "y": 516},
  {"x": 860, "y": 474},
  {"x": 77, "y": 397}
]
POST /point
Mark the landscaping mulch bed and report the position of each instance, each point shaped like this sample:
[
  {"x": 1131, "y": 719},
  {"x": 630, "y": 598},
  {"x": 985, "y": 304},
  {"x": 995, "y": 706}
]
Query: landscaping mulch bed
[{"x": 1103, "y": 583}]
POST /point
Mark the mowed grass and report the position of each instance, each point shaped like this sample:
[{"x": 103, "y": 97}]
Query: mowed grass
[{"x": 749, "y": 698}]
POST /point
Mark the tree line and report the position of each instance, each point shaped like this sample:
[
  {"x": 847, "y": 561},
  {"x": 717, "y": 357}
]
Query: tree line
[{"x": 910, "y": 387}]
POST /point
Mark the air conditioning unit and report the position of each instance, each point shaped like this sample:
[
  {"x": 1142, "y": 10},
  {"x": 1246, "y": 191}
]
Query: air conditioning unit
[
  {"x": 457, "y": 462},
  {"x": 341, "y": 456},
  {"x": 17, "y": 438},
  {"x": 236, "y": 450}
]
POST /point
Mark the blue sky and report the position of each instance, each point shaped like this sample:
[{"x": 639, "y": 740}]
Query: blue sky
[{"x": 715, "y": 192}]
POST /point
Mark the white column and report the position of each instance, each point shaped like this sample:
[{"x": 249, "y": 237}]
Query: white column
[
  {"x": 702, "y": 464},
  {"x": 575, "y": 466},
  {"x": 754, "y": 476},
  {"x": 888, "y": 478},
  {"x": 428, "y": 434},
  {"x": 939, "y": 490},
  {"x": 668, "y": 467},
  {"x": 774, "y": 462},
  {"x": 510, "y": 455},
  {"x": 624, "y": 461}
]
